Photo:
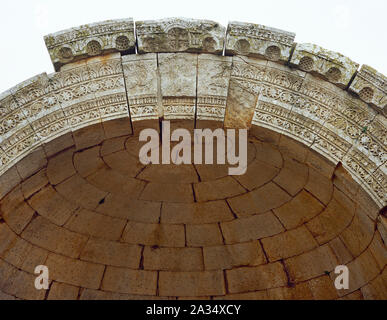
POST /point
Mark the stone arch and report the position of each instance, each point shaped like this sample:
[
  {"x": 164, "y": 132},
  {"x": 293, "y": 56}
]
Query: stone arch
[{"x": 94, "y": 107}]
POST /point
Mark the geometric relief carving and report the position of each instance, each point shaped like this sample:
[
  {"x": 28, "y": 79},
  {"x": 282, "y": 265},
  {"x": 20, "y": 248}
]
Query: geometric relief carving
[
  {"x": 108, "y": 86},
  {"x": 19, "y": 145},
  {"x": 213, "y": 81},
  {"x": 370, "y": 86},
  {"x": 332, "y": 66},
  {"x": 74, "y": 90},
  {"x": 330, "y": 145},
  {"x": 179, "y": 35},
  {"x": 178, "y": 84},
  {"x": 12, "y": 117},
  {"x": 307, "y": 103},
  {"x": 373, "y": 140},
  {"x": 259, "y": 41},
  {"x": 37, "y": 99},
  {"x": 140, "y": 72},
  {"x": 90, "y": 40},
  {"x": 366, "y": 173}
]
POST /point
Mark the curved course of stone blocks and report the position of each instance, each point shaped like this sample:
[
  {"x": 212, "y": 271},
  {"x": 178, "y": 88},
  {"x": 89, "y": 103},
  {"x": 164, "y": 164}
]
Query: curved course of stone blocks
[{"x": 83, "y": 121}]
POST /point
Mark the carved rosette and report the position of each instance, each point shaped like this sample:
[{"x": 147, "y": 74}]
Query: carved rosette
[
  {"x": 238, "y": 90},
  {"x": 90, "y": 40},
  {"x": 180, "y": 35},
  {"x": 332, "y": 66},
  {"x": 256, "y": 40}
]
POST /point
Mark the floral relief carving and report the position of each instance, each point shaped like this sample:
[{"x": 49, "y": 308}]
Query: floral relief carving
[{"x": 304, "y": 101}]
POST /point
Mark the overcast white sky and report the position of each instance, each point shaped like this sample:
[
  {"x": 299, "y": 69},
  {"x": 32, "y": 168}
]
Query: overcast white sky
[{"x": 356, "y": 28}]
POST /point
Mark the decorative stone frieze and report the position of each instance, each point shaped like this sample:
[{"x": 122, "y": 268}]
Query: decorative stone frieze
[
  {"x": 180, "y": 35},
  {"x": 256, "y": 40},
  {"x": 75, "y": 89},
  {"x": 178, "y": 84},
  {"x": 371, "y": 87},
  {"x": 213, "y": 81},
  {"x": 108, "y": 86},
  {"x": 90, "y": 40},
  {"x": 333, "y": 66},
  {"x": 244, "y": 90},
  {"x": 142, "y": 86},
  {"x": 94, "y": 214}
]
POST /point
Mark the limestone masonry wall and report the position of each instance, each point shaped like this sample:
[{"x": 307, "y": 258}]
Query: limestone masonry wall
[{"x": 197, "y": 70}]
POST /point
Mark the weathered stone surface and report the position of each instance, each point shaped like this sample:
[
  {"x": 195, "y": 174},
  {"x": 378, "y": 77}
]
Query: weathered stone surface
[
  {"x": 178, "y": 84},
  {"x": 288, "y": 244},
  {"x": 213, "y": 80},
  {"x": 34, "y": 183},
  {"x": 331, "y": 222},
  {"x": 196, "y": 213},
  {"x": 108, "y": 86},
  {"x": 261, "y": 200},
  {"x": 18, "y": 138},
  {"x": 173, "y": 259},
  {"x": 75, "y": 272},
  {"x": 256, "y": 278},
  {"x": 51, "y": 205},
  {"x": 311, "y": 198},
  {"x": 219, "y": 189},
  {"x": 251, "y": 228},
  {"x": 168, "y": 192},
  {"x": 259, "y": 41},
  {"x": 333, "y": 66},
  {"x": 8, "y": 181},
  {"x": 311, "y": 264},
  {"x": 24, "y": 255},
  {"x": 196, "y": 284},
  {"x": 46, "y": 235},
  {"x": 299, "y": 210},
  {"x": 94, "y": 224},
  {"x": 179, "y": 35},
  {"x": 130, "y": 281},
  {"x": 78, "y": 190},
  {"x": 90, "y": 40},
  {"x": 15, "y": 211},
  {"x": 112, "y": 253},
  {"x": 141, "y": 80},
  {"x": 231, "y": 256},
  {"x": 243, "y": 92},
  {"x": 61, "y": 291},
  {"x": 371, "y": 86},
  {"x": 202, "y": 235},
  {"x": 154, "y": 234}
]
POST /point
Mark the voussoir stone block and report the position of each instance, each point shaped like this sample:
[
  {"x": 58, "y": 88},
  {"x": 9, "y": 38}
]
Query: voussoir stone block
[
  {"x": 256, "y": 40},
  {"x": 213, "y": 80},
  {"x": 90, "y": 40},
  {"x": 333, "y": 66},
  {"x": 244, "y": 89},
  {"x": 179, "y": 35},
  {"x": 371, "y": 87},
  {"x": 178, "y": 84},
  {"x": 140, "y": 72},
  {"x": 108, "y": 86}
]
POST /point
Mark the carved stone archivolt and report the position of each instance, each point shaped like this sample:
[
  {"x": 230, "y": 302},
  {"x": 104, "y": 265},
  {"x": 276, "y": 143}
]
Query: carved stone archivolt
[{"x": 184, "y": 75}]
